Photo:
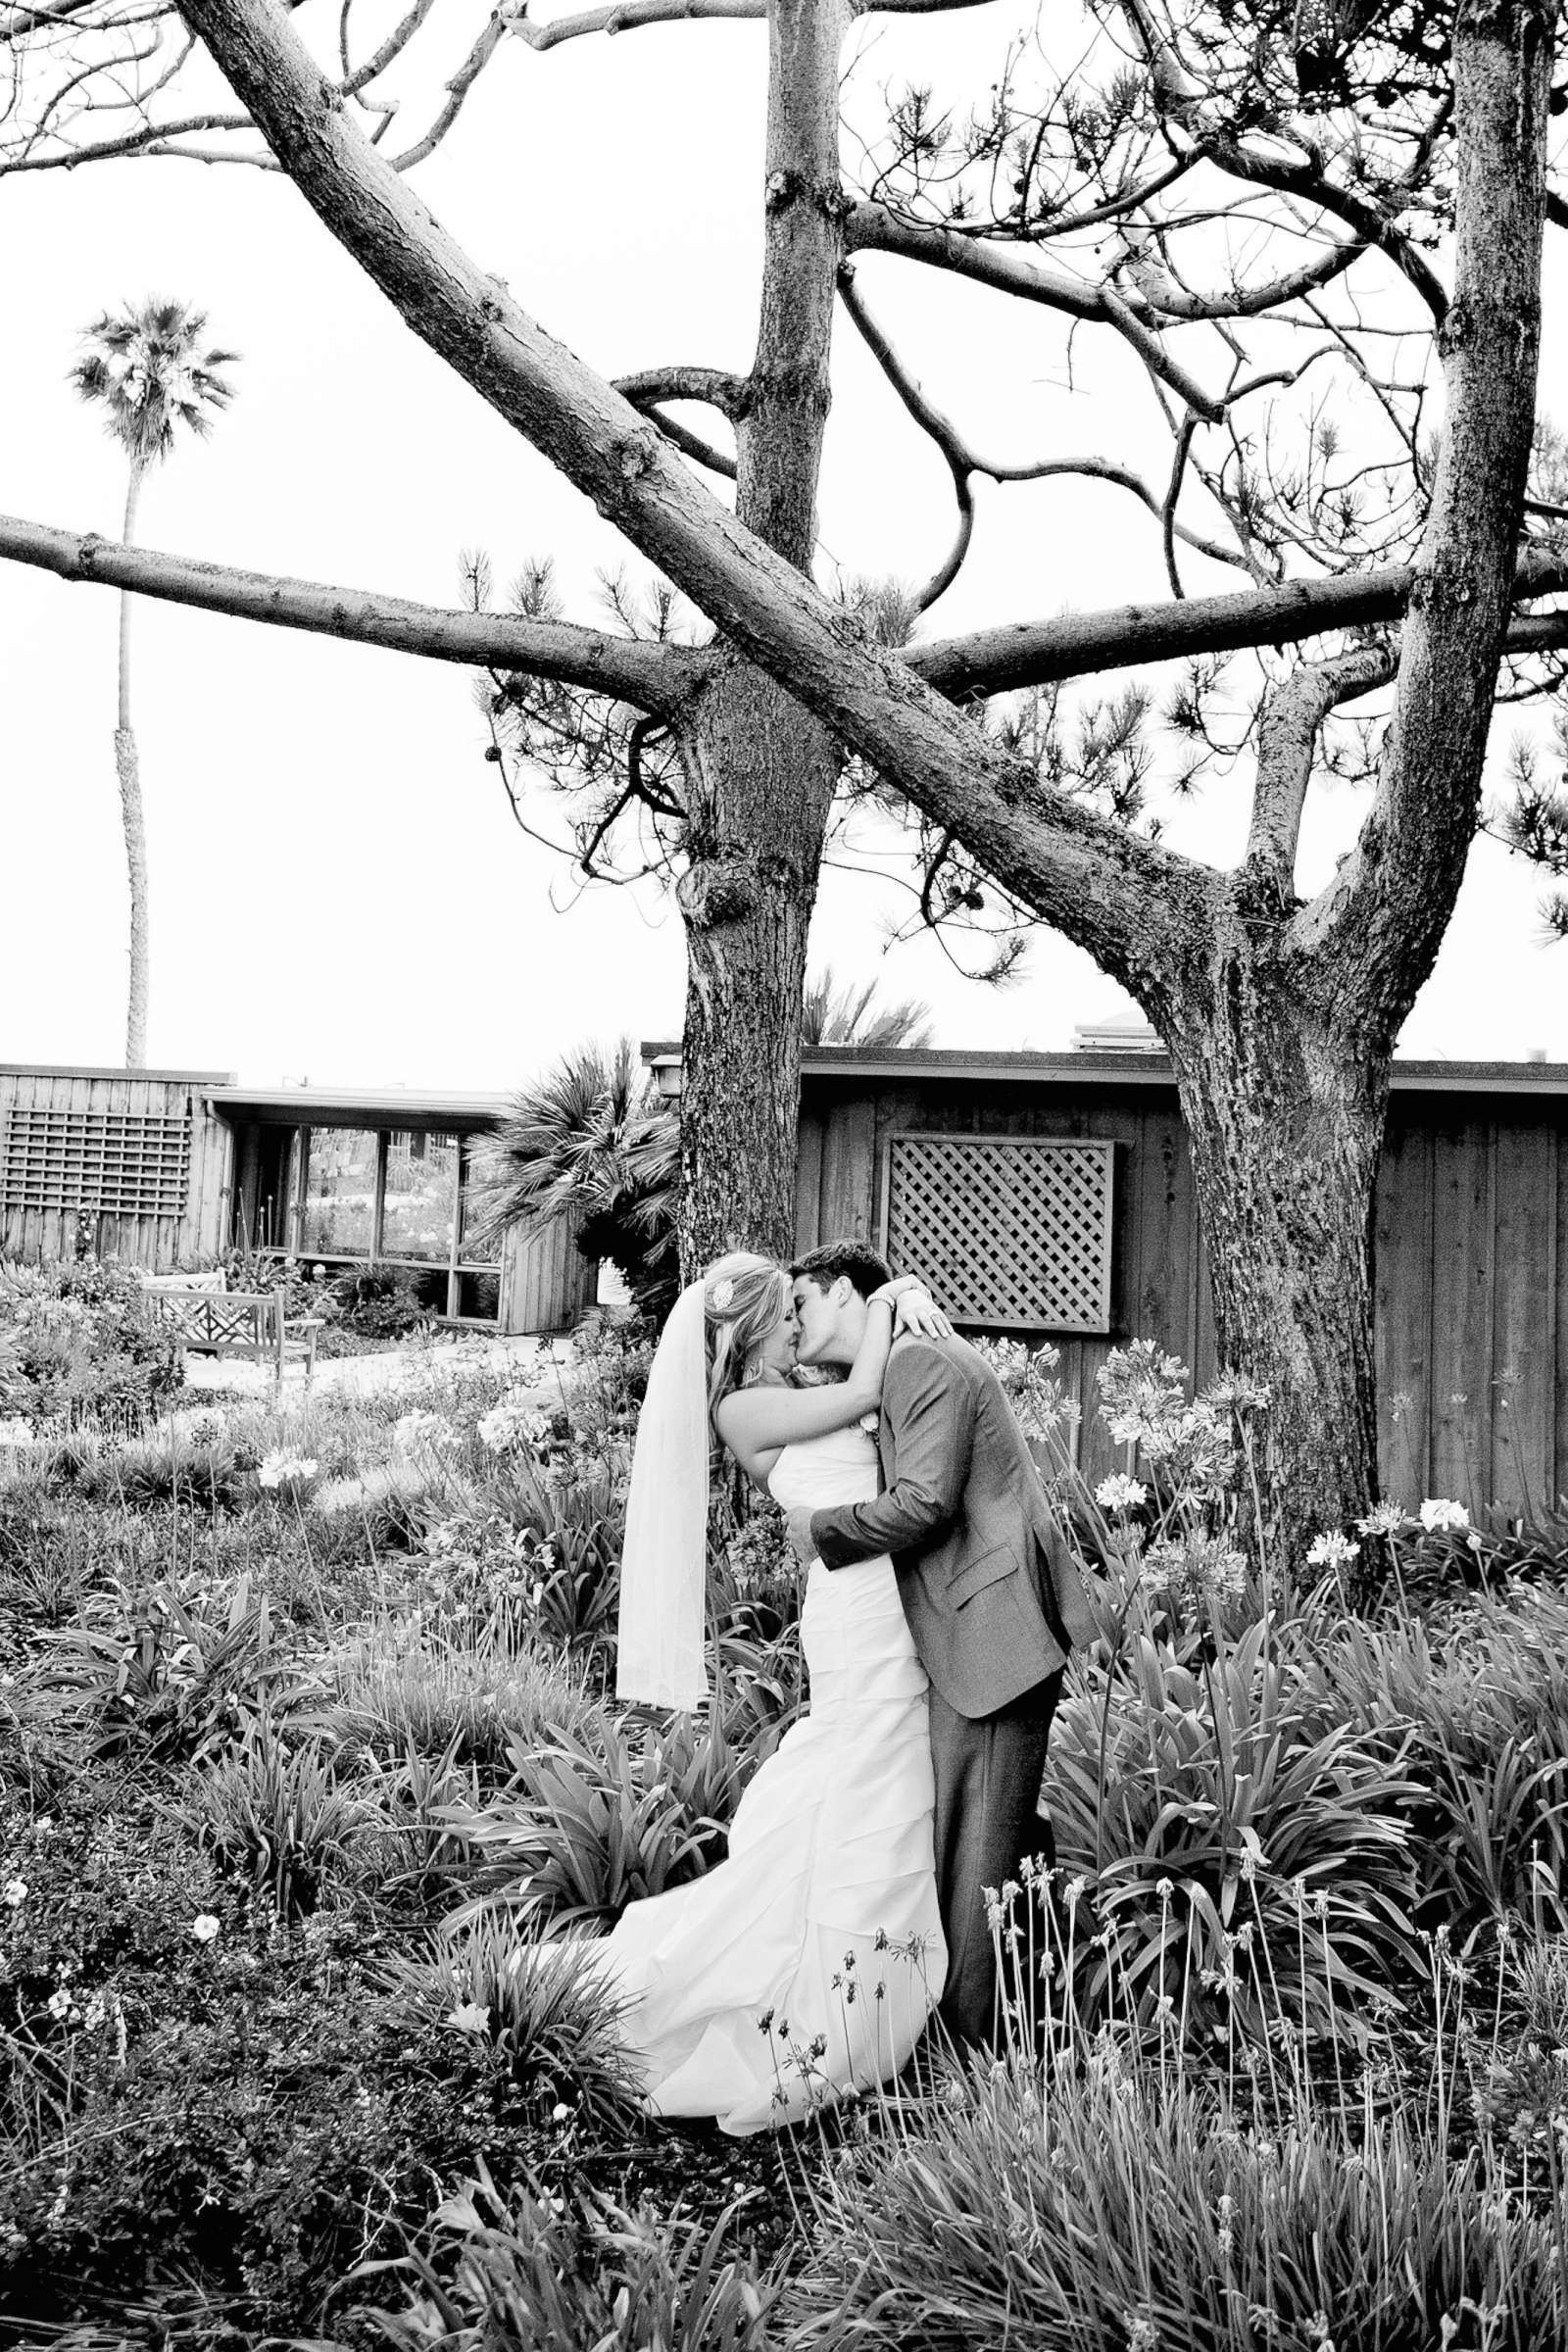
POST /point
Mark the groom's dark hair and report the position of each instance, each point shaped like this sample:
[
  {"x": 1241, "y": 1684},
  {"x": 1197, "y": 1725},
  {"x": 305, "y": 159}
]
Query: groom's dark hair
[{"x": 857, "y": 1259}]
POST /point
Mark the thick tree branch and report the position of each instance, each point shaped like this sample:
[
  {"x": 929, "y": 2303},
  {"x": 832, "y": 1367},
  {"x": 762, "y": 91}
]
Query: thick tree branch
[
  {"x": 1375, "y": 930},
  {"x": 1158, "y": 292},
  {"x": 873, "y": 229},
  {"x": 1287, "y": 742},
  {"x": 1366, "y": 222},
  {"x": 623, "y": 16},
  {"x": 659, "y": 678},
  {"x": 1113, "y": 892},
  {"x": 1038, "y": 653},
  {"x": 627, "y": 16},
  {"x": 727, "y": 393},
  {"x": 710, "y": 385}
]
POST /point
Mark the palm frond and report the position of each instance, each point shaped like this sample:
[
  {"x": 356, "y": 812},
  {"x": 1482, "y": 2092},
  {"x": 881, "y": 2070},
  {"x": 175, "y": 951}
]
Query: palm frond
[{"x": 146, "y": 369}]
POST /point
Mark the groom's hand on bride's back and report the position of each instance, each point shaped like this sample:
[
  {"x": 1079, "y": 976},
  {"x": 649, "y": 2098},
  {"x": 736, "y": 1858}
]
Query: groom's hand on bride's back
[{"x": 797, "y": 1524}]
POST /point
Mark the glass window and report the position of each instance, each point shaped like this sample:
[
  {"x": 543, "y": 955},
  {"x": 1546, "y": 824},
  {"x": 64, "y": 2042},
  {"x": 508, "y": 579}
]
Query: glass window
[
  {"x": 421, "y": 1197},
  {"x": 339, "y": 1209},
  {"x": 479, "y": 1296}
]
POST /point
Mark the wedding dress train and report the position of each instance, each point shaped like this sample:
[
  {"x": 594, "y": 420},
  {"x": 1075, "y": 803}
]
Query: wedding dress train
[{"x": 803, "y": 1967}]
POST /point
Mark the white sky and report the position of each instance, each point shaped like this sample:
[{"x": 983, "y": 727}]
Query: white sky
[{"x": 340, "y": 891}]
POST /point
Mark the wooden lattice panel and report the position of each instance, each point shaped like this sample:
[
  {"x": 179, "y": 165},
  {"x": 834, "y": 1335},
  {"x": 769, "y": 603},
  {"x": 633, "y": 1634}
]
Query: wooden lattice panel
[
  {"x": 121, "y": 1162},
  {"x": 1009, "y": 1232}
]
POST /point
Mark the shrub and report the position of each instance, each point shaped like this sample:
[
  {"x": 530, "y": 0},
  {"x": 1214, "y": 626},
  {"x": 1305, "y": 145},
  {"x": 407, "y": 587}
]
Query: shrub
[
  {"x": 542, "y": 2007},
  {"x": 1102, "y": 2210},
  {"x": 1483, "y": 1725},
  {"x": 588, "y": 1829},
  {"x": 1239, "y": 1853},
  {"x": 510, "y": 2274},
  {"x": 76, "y": 1347},
  {"x": 278, "y": 2124},
  {"x": 279, "y": 1816},
  {"x": 476, "y": 1705},
  {"x": 169, "y": 1675}
]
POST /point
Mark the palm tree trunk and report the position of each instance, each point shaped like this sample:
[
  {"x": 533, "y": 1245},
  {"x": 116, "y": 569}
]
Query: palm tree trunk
[{"x": 128, "y": 769}]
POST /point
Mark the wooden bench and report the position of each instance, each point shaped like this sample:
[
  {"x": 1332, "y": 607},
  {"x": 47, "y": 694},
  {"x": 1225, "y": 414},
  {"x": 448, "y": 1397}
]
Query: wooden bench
[{"x": 249, "y": 1325}]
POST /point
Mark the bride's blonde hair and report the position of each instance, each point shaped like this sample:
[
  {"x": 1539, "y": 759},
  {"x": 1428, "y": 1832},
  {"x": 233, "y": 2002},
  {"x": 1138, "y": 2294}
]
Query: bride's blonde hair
[{"x": 743, "y": 1297}]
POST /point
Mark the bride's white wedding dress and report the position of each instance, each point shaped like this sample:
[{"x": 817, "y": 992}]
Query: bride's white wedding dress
[{"x": 807, "y": 1964}]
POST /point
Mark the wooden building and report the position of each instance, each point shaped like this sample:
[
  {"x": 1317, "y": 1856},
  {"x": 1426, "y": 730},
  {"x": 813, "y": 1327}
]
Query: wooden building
[
  {"x": 1051, "y": 1195},
  {"x": 175, "y": 1165},
  {"x": 137, "y": 1149}
]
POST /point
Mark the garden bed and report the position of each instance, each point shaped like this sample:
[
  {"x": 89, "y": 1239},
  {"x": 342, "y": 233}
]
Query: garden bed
[{"x": 296, "y": 1696}]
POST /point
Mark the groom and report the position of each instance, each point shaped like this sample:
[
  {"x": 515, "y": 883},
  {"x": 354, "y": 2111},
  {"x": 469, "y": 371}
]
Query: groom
[{"x": 993, "y": 1599}]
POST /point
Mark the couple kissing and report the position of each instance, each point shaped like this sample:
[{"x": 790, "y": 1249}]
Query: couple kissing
[{"x": 940, "y": 1606}]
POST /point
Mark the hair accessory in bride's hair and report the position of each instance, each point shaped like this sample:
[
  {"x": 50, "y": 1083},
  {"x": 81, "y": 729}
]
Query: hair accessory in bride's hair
[{"x": 723, "y": 1294}]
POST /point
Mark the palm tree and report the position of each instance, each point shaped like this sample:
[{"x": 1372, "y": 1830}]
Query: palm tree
[
  {"x": 147, "y": 370},
  {"x": 595, "y": 1139},
  {"x": 592, "y": 1140}
]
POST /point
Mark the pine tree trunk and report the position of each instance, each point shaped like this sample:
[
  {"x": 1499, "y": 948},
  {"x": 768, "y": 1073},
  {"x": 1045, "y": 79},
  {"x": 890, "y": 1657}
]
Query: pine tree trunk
[
  {"x": 133, "y": 824},
  {"x": 1285, "y": 1119},
  {"x": 762, "y": 776},
  {"x": 760, "y": 769}
]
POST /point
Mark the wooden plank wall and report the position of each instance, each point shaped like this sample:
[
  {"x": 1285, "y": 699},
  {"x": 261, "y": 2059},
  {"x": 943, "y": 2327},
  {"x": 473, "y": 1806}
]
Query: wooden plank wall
[
  {"x": 1470, "y": 1241},
  {"x": 547, "y": 1282},
  {"x": 158, "y": 1244}
]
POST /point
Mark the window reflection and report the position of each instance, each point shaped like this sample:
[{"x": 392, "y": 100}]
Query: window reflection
[
  {"x": 421, "y": 1195},
  {"x": 339, "y": 1206}
]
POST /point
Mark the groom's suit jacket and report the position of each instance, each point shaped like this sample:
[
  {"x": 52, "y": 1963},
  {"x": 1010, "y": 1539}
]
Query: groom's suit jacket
[{"x": 993, "y": 1598}]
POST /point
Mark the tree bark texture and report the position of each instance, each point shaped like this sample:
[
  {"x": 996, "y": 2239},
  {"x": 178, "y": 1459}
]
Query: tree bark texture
[
  {"x": 127, "y": 768},
  {"x": 761, "y": 782},
  {"x": 760, "y": 769},
  {"x": 1285, "y": 1122}
]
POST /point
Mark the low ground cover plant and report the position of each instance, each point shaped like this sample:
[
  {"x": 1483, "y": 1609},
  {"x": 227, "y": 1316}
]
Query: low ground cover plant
[{"x": 315, "y": 1792}]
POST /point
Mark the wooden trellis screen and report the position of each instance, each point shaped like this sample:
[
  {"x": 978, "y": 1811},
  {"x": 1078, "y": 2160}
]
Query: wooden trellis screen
[
  {"x": 1011, "y": 1231},
  {"x": 121, "y": 1162}
]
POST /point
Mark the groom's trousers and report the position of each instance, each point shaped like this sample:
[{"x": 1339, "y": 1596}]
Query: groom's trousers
[{"x": 988, "y": 1774}]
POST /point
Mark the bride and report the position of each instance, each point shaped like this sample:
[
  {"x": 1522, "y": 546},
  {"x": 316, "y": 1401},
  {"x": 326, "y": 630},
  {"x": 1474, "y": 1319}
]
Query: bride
[{"x": 804, "y": 1967}]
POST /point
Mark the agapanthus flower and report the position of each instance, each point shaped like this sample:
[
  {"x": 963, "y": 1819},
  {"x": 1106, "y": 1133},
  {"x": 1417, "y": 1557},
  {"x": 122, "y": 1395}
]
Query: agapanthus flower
[
  {"x": 279, "y": 1469},
  {"x": 1120, "y": 1493},
  {"x": 422, "y": 1432},
  {"x": 1437, "y": 1516},
  {"x": 512, "y": 1423},
  {"x": 1383, "y": 1519},
  {"x": 1332, "y": 1550}
]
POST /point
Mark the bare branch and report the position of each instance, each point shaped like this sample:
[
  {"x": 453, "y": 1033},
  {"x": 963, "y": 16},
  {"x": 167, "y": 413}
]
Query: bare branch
[
  {"x": 659, "y": 678},
  {"x": 622, "y": 16},
  {"x": 397, "y": 41},
  {"x": 457, "y": 88},
  {"x": 1158, "y": 292},
  {"x": 1167, "y": 518},
  {"x": 727, "y": 393},
  {"x": 1288, "y": 735},
  {"x": 1366, "y": 221},
  {"x": 692, "y": 445},
  {"x": 873, "y": 229}
]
